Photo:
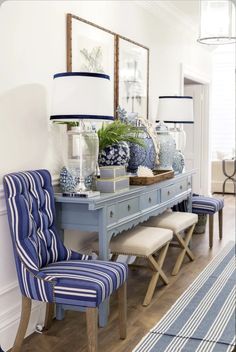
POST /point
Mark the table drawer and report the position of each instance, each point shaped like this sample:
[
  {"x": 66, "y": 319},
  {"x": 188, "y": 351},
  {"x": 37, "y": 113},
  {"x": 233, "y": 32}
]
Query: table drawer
[
  {"x": 111, "y": 214},
  {"x": 182, "y": 186},
  {"x": 149, "y": 199},
  {"x": 128, "y": 207},
  {"x": 168, "y": 193}
]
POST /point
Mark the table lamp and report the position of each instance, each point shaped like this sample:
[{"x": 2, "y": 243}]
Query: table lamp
[
  {"x": 82, "y": 97},
  {"x": 177, "y": 110}
]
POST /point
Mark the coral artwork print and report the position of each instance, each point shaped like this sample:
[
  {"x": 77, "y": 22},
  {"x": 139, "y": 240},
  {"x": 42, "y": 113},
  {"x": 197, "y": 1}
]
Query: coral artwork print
[{"x": 92, "y": 60}]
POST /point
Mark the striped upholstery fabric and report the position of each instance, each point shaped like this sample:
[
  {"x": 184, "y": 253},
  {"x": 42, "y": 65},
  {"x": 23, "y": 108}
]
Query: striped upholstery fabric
[
  {"x": 206, "y": 205},
  {"x": 47, "y": 270},
  {"x": 86, "y": 283}
]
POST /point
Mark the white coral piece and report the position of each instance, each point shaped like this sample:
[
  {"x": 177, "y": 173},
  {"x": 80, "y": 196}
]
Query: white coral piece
[{"x": 144, "y": 171}]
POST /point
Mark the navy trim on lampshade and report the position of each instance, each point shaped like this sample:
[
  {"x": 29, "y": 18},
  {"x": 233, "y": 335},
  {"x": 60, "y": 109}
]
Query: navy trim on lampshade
[
  {"x": 176, "y": 121},
  {"x": 175, "y": 97},
  {"x": 79, "y": 117},
  {"x": 85, "y": 74}
]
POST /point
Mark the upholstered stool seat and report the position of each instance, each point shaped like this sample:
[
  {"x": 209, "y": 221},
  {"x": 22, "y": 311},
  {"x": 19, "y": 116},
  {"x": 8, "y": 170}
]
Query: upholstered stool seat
[
  {"x": 143, "y": 242},
  {"x": 177, "y": 222},
  {"x": 209, "y": 206}
]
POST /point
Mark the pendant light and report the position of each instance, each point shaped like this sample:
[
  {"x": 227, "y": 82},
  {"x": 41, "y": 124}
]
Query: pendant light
[{"x": 217, "y": 22}]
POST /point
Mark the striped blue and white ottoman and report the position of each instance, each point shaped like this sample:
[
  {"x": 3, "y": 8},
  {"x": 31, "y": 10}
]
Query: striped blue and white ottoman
[{"x": 209, "y": 206}]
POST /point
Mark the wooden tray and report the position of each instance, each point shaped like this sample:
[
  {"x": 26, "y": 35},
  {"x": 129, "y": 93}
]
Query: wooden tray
[{"x": 159, "y": 175}]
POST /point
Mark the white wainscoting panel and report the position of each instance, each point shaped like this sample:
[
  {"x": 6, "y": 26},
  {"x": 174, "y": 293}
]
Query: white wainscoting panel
[
  {"x": 10, "y": 296},
  {"x": 10, "y": 318}
]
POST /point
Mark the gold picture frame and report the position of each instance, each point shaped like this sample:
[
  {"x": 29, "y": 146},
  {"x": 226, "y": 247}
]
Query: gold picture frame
[{"x": 97, "y": 49}]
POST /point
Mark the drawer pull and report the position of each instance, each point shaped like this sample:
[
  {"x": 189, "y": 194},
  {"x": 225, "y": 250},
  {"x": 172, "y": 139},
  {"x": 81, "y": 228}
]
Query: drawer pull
[
  {"x": 150, "y": 200},
  {"x": 129, "y": 207},
  {"x": 189, "y": 183},
  {"x": 111, "y": 214},
  {"x": 181, "y": 187},
  {"x": 168, "y": 193}
]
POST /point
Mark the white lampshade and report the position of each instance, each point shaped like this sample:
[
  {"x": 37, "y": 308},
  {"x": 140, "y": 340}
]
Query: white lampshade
[
  {"x": 175, "y": 109},
  {"x": 82, "y": 95},
  {"x": 217, "y": 22}
]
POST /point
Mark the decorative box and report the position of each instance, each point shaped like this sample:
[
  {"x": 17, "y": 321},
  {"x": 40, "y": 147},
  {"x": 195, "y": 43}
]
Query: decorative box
[
  {"x": 112, "y": 171},
  {"x": 112, "y": 185}
]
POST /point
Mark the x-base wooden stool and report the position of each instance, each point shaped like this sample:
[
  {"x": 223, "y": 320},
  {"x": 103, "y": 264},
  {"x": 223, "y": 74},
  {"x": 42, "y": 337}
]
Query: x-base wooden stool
[
  {"x": 177, "y": 222},
  {"x": 143, "y": 242}
]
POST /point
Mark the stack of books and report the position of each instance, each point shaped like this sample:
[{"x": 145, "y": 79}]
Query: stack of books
[{"x": 112, "y": 179}]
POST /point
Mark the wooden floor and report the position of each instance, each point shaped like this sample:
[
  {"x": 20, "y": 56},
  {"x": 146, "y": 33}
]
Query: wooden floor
[{"x": 70, "y": 335}]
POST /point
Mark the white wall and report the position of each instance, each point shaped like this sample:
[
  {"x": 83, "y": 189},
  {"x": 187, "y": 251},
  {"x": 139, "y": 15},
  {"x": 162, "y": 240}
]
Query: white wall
[{"x": 33, "y": 48}]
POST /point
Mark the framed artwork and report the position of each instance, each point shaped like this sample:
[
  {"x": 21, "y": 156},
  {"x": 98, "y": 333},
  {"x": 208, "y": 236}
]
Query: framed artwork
[
  {"x": 133, "y": 78},
  {"x": 90, "y": 48}
]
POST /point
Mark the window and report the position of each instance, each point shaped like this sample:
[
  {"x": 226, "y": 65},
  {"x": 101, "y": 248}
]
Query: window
[{"x": 223, "y": 102}]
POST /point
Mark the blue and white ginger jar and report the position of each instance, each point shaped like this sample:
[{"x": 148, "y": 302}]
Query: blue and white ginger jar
[
  {"x": 68, "y": 181},
  {"x": 145, "y": 156},
  {"x": 178, "y": 162},
  {"x": 116, "y": 154},
  {"x": 167, "y": 147}
]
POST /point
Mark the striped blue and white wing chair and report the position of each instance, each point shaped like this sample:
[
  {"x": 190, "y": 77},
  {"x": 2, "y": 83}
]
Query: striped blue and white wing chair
[{"x": 48, "y": 271}]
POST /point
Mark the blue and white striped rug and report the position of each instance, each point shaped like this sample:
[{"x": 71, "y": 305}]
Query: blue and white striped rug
[{"x": 203, "y": 318}]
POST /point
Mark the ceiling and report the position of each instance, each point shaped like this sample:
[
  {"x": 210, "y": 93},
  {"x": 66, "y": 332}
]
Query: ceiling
[
  {"x": 189, "y": 7},
  {"x": 188, "y": 10}
]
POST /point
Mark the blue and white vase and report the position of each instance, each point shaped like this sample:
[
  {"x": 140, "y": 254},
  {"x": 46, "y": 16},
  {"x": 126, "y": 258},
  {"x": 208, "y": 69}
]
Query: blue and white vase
[
  {"x": 116, "y": 154},
  {"x": 178, "y": 162},
  {"x": 145, "y": 156},
  {"x": 167, "y": 147}
]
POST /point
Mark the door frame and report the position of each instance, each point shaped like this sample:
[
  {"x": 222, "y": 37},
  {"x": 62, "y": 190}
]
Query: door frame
[{"x": 205, "y": 81}]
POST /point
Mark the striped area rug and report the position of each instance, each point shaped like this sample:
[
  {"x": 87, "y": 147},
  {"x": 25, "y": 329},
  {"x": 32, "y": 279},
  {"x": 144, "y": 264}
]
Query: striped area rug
[{"x": 203, "y": 319}]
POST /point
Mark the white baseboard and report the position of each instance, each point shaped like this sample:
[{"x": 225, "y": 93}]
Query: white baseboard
[
  {"x": 10, "y": 302},
  {"x": 9, "y": 322}
]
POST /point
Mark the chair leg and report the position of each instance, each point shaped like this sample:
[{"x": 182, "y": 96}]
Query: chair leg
[
  {"x": 92, "y": 329},
  {"x": 211, "y": 229},
  {"x": 220, "y": 216},
  {"x": 24, "y": 321},
  {"x": 48, "y": 315},
  {"x": 114, "y": 257},
  {"x": 122, "y": 304}
]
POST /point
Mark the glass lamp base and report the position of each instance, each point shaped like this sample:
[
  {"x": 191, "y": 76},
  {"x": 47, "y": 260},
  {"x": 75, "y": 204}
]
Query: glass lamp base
[{"x": 81, "y": 187}]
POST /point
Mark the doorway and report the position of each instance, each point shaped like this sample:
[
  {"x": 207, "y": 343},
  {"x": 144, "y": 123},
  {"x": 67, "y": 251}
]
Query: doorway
[{"x": 197, "y": 150}]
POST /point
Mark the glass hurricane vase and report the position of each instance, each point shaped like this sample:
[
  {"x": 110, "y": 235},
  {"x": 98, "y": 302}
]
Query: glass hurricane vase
[{"x": 83, "y": 147}]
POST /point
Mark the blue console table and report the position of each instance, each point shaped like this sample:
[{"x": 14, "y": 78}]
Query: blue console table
[{"x": 112, "y": 213}]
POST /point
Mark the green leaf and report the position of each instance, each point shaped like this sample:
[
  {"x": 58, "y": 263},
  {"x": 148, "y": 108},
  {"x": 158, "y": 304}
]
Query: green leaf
[{"x": 118, "y": 131}]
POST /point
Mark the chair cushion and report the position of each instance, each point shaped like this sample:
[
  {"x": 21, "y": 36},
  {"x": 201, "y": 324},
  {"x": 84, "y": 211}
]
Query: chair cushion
[
  {"x": 206, "y": 205},
  {"x": 141, "y": 241},
  {"x": 175, "y": 221},
  {"x": 85, "y": 283}
]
